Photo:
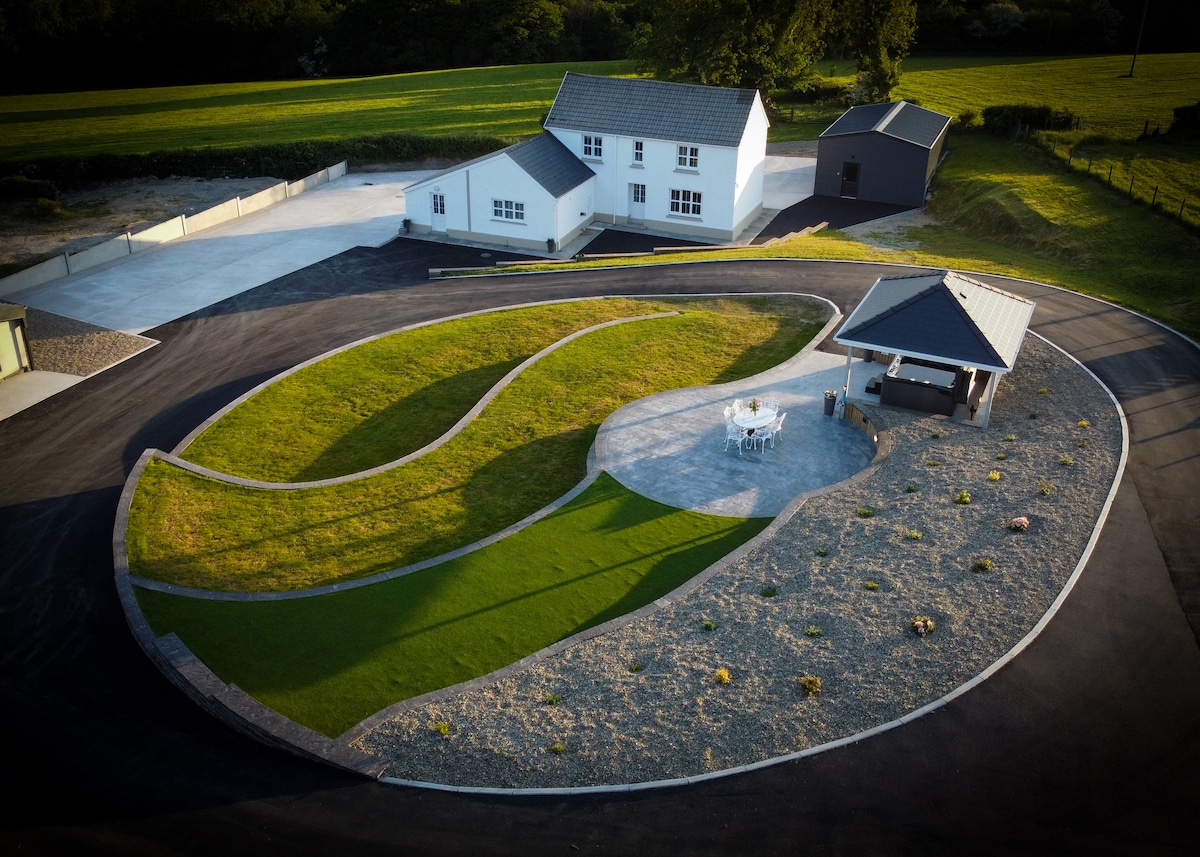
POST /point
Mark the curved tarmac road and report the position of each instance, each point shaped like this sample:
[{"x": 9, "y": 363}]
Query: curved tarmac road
[{"x": 1087, "y": 742}]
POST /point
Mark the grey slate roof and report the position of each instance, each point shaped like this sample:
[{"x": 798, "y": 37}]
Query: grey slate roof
[
  {"x": 898, "y": 119},
  {"x": 654, "y": 109},
  {"x": 546, "y": 160},
  {"x": 549, "y": 163},
  {"x": 943, "y": 316}
]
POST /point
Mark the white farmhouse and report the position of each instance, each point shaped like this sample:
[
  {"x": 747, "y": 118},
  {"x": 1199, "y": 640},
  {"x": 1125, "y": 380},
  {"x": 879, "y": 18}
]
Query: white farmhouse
[{"x": 671, "y": 157}]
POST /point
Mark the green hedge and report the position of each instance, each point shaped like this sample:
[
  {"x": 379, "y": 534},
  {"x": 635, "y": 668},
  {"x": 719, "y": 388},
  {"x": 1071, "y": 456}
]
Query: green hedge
[
  {"x": 290, "y": 161},
  {"x": 1005, "y": 119}
]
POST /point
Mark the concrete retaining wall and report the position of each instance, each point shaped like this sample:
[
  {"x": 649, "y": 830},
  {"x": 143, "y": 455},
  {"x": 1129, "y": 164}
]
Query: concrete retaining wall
[
  {"x": 228, "y": 210},
  {"x": 263, "y": 198},
  {"x": 176, "y": 227}
]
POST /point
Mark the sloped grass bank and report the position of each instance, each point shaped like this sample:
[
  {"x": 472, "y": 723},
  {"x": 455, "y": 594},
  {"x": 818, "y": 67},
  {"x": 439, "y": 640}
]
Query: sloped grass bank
[
  {"x": 525, "y": 450},
  {"x": 330, "y": 661}
]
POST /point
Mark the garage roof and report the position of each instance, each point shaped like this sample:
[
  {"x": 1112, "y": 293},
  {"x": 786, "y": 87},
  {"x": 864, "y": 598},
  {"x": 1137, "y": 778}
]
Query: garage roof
[
  {"x": 897, "y": 119},
  {"x": 941, "y": 316}
]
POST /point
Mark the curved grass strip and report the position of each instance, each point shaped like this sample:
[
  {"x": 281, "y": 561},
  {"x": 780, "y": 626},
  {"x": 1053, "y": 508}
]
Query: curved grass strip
[
  {"x": 522, "y": 452},
  {"x": 387, "y": 397},
  {"x": 330, "y": 661}
]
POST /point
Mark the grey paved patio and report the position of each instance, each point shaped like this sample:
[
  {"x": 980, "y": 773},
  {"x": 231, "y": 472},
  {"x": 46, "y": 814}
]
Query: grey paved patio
[{"x": 671, "y": 447}]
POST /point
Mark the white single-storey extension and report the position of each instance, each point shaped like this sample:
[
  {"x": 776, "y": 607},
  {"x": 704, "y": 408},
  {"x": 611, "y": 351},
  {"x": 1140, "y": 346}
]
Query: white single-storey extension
[{"x": 672, "y": 157}]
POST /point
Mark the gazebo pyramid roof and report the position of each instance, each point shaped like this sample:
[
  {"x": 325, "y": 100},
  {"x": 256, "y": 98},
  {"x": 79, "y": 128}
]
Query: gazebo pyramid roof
[{"x": 941, "y": 316}]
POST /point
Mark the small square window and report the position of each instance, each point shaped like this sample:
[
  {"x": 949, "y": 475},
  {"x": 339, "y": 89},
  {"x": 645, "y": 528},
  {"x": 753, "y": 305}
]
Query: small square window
[
  {"x": 593, "y": 147},
  {"x": 689, "y": 157}
]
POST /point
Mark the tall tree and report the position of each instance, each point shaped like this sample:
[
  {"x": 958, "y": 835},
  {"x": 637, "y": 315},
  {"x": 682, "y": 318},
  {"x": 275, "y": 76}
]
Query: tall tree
[
  {"x": 881, "y": 33},
  {"x": 762, "y": 44}
]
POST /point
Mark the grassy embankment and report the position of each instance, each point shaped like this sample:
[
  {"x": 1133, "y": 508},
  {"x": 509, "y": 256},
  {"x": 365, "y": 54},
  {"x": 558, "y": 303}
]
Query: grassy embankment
[{"x": 328, "y": 661}]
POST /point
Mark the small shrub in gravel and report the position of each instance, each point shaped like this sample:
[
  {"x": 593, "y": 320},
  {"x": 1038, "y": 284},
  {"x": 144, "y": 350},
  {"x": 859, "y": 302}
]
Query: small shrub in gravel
[
  {"x": 871, "y": 585},
  {"x": 1009, "y": 438},
  {"x": 552, "y": 699},
  {"x": 983, "y": 565},
  {"x": 914, "y": 535},
  {"x": 558, "y": 748},
  {"x": 1001, "y": 456},
  {"x": 1045, "y": 487},
  {"x": 922, "y": 625},
  {"x": 770, "y": 592},
  {"x": 710, "y": 625},
  {"x": 822, "y": 552},
  {"x": 813, "y": 631},
  {"x": 810, "y": 684},
  {"x": 635, "y": 667},
  {"x": 1083, "y": 424},
  {"x": 441, "y": 728},
  {"x": 963, "y": 498},
  {"x": 910, "y": 488},
  {"x": 933, "y": 462},
  {"x": 722, "y": 676},
  {"x": 1067, "y": 461},
  {"x": 864, "y": 512},
  {"x": 994, "y": 476}
]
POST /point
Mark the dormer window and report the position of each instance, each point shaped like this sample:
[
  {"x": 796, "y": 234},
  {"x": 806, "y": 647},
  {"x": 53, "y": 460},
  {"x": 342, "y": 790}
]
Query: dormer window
[
  {"x": 689, "y": 157},
  {"x": 593, "y": 147}
]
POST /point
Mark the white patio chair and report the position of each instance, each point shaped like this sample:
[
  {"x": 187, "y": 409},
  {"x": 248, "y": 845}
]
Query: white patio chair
[
  {"x": 769, "y": 432},
  {"x": 737, "y": 406},
  {"x": 770, "y": 403},
  {"x": 734, "y": 432}
]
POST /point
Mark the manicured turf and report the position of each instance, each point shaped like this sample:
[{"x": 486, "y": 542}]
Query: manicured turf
[
  {"x": 327, "y": 662},
  {"x": 526, "y": 449}
]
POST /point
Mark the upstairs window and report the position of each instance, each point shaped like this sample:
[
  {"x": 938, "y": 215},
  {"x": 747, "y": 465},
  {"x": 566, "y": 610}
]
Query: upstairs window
[
  {"x": 689, "y": 157},
  {"x": 593, "y": 147},
  {"x": 638, "y": 151},
  {"x": 506, "y": 209}
]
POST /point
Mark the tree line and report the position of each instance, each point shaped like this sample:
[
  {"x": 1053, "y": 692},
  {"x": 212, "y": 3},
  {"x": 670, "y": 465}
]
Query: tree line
[{"x": 86, "y": 44}]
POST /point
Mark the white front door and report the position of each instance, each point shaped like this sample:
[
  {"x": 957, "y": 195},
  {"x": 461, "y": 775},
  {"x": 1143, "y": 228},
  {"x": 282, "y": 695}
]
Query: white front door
[
  {"x": 637, "y": 202},
  {"x": 437, "y": 212}
]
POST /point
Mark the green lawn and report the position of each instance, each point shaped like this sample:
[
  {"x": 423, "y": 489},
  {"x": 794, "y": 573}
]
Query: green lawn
[
  {"x": 506, "y": 101},
  {"x": 329, "y": 661},
  {"x": 524, "y": 450}
]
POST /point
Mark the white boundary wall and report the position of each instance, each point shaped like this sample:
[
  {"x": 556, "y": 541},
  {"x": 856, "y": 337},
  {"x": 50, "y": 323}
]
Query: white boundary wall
[{"x": 176, "y": 227}]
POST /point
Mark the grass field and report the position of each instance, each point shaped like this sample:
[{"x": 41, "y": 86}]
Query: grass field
[
  {"x": 329, "y": 661},
  {"x": 506, "y": 101},
  {"x": 527, "y": 448}
]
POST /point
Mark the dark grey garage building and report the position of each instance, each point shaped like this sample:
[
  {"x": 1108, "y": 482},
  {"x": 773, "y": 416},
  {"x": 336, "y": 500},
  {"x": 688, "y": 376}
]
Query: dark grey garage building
[{"x": 884, "y": 152}]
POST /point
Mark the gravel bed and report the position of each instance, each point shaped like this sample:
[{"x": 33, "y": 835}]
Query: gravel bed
[
  {"x": 61, "y": 344},
  {"x": 588, "y": 717}
]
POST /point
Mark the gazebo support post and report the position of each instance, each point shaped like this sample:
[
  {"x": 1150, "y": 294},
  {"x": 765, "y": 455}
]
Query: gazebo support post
[{"x": 846, "y": 389}]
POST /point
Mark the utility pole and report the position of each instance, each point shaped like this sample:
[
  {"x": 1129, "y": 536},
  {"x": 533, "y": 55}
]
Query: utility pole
[{"x": 1138, "y": 45}]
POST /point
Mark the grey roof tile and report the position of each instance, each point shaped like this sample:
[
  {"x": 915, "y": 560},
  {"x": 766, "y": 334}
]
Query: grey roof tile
[
  {"x": 898, "y": 119},
  {"x": 654, "y": 109},
  {"x": 550, "y": 163},
  {"x": 944, "y": 316}
]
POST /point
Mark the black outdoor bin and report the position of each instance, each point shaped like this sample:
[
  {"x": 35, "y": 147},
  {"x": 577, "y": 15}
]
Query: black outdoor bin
[{"x": 830, "y": 402}]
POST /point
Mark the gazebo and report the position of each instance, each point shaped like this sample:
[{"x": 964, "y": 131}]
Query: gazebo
[{"x": 945, "y": 340}]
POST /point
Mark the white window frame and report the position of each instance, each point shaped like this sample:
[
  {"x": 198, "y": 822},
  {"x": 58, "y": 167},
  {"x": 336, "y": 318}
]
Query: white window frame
[
  {"x": 593, "y": 146},
  {"x": 639, "y": 194},
  {"x": 688, "y": 158},
  {"x": 507, "y": 209},
  {"x": 439, "y": 204},
  {"x": 639, "y": 152},
  {"x": 685, "y": 203}
]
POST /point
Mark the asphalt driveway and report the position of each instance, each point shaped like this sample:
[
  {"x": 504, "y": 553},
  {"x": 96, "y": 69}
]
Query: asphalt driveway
[{"x": 1089, "y": 742}]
